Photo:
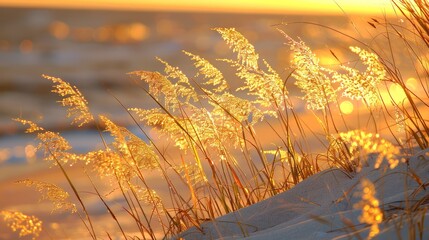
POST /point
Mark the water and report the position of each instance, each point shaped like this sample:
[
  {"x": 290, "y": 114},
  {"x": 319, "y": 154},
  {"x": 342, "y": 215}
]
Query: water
[{"x": 95, "y": 49}]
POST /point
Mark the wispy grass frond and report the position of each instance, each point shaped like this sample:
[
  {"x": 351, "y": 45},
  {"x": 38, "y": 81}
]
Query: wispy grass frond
[
  {"x": 182, "y": 86},
  {"x": 268, "y": 88},
  {"x": 192, "y": 173},
  {"x": 213, "y": 75},
  {"x": 159, "y": 86},
  {"x": 370, "y": 207},
  {"x": 26, "y": 225},
  {"x": 233, "y": 110},
  {"x": 33, "y": 127},
  {"x": 246, "y": 54},
  {"x": 159, "y": 119},
  {"x": 314, "y": 80},
  {"x": 107, "y": 163},
  {"x": 362, "y": 144},
  {"x": 133, "y": 153},
  {"x": 149, "y": 197},
  {"x": 362, "y": 85},
  {"x": 53, "y": 193},
  {"x": 53, "y": 144},
  {"x": 73, "y": 99}
]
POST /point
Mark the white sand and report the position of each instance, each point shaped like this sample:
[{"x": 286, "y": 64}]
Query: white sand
[{"x": 321, "y": 207}]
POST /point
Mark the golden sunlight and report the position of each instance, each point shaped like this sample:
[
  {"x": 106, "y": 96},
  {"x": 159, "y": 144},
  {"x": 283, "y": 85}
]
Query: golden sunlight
[
  {"x": 397, "y": 93},
  {"x": 346, "y": 107},
  {"x": 412, "y": 84},
  {"x": 369, "y": 7}
]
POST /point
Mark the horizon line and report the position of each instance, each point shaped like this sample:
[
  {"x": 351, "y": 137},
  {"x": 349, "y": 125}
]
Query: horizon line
[{"x": 304, "y": 7}]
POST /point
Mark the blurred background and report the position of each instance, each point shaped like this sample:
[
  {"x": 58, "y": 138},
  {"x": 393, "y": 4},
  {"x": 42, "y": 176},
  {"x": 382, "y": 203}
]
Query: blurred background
[{"x": 93, "y": 45}]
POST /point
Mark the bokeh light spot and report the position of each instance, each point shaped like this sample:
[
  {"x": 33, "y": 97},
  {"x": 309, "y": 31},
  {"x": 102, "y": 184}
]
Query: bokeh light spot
[
  {"x": 346, "y": 107},
  {"x": 397, "y": 93},
  {"x": 26, "y": 46},
  {"x": 59, "y": 30},
  {"x": 30, "y": 152},
  {"x": 138, "y": 31},
  {"x": 412, "y": 84}
]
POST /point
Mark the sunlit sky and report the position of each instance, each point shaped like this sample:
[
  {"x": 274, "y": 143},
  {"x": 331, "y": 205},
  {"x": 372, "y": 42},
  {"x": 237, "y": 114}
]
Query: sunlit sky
[{"x": 244, "y": 6}]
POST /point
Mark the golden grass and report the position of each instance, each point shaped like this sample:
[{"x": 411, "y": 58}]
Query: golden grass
[{"x": 222, "y": 162}]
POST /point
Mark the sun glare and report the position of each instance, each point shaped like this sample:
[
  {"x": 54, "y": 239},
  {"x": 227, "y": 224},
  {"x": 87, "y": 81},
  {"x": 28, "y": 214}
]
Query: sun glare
[
  {"x": 397, "y": 93},
  {"x": 346, "y": 107},
  {"x": 244, "y": 6},
  {"x": 412, "y": 84}
]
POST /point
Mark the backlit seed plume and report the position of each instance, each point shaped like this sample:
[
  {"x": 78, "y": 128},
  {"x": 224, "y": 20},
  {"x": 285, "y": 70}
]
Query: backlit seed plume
[
  {"x": 268, "y": 88},
  {"x": 159, "y": 86},
  {"x": 369, "y": 205},
  {"x": 246, "y": 54},
  {"x": 73, "y": 100},
  {"x": 134, "y": 153},
  {"x": 53, "y": 193},
  {"x": 55, "y": 146},
  {"x": 182, "y": 87},
  {"x": 211, "y": 73},
  {"x": 166, "y": 123},
  {"x": 107, "y": 163},
  {"x": 146, "y": 196},
  {"x": 362, "y": 143},
  {"x": 313, "y": 80},
  {"x": 227, "y": 106},
  {"x": 26, "y": 225},
  {"x": 33, "y": 127},
  {"x": 362, "y": 85},
  {"x": 192, "y": 173},
  {"x": 400, "y": 120}
]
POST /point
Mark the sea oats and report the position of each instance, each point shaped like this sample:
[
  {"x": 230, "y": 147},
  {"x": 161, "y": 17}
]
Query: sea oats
[
  {"x": 246, "y": 54},
  {"x": 268, "y": 88},
  {"x": 400, "y": 120},
  {"x": 182, "y": 86},
  {"x": 216, "y": 132},
  {"x": 73, "y": 100},
  {"x": 362, "y": 143},
  {"x": 159, "y": 86},
  {"x": 33, "y": 127},
  {"x": 108, "y": 163},
  {"x": 212, "y": 74},
  {"x": 146, "y": 196},
  {"x": 362, "y": 85},
  {"x": 369, "y": 205},
  {"x": 54, "y": 146},
  {"x": 27, "y": 225},
  {"x": 166, "y": 123},
  {"x": 313, "y": 79},
  {"x": 134, "y": 152},
  {"x": 228, "y": 107},
  {"x": 192, "y": 173},
  {"x": 53, "y": 193}
]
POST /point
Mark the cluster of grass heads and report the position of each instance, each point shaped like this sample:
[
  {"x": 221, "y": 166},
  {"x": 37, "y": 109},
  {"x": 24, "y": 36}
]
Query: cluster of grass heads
[{"x": 221, "y": 162}]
